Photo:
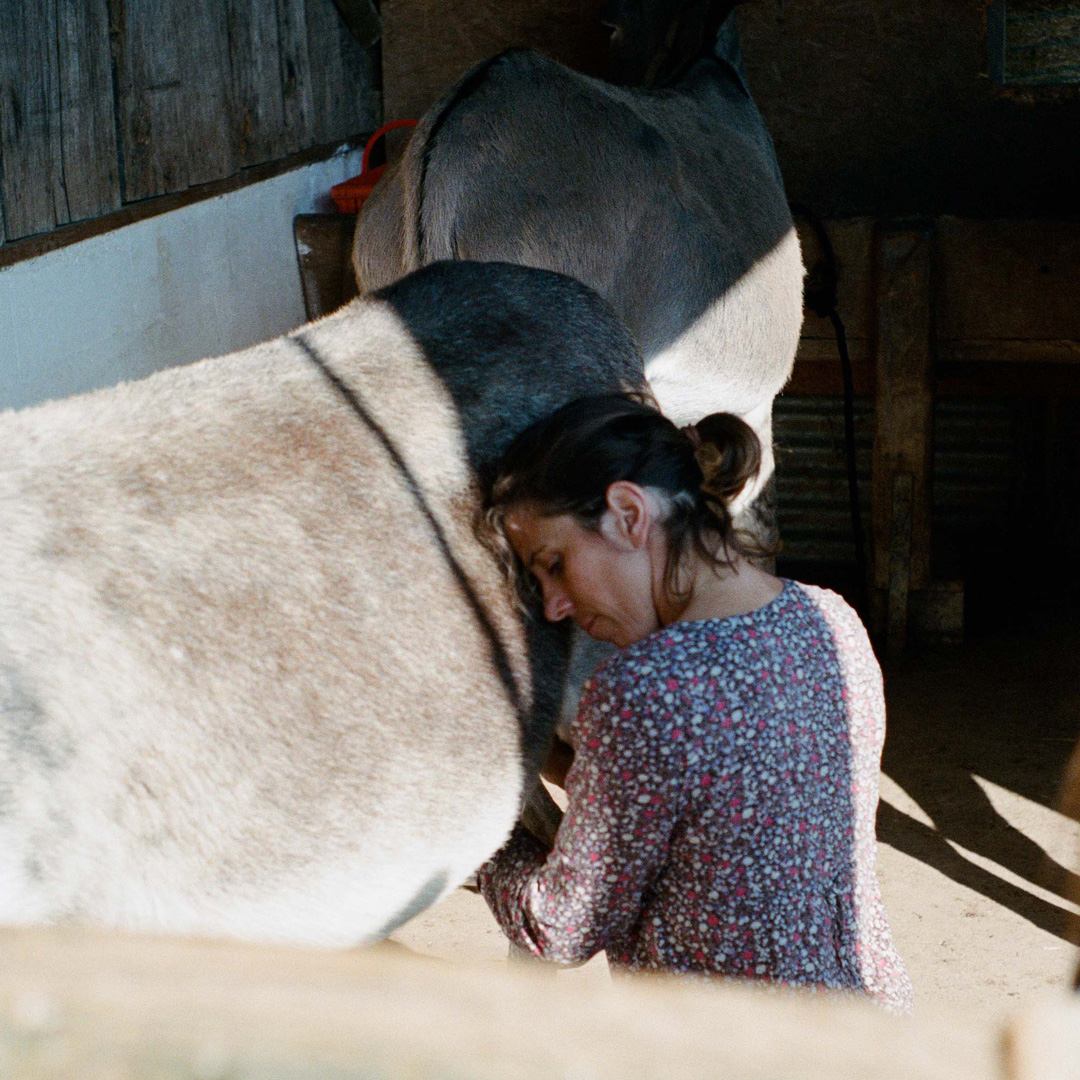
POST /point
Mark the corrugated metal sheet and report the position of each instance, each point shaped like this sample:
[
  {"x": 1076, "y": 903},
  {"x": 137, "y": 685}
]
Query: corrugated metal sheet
[
  {"x": 979, "y": 465},
  {"x": 977, "y": 462},
  {"x": 811, "y": 476}
]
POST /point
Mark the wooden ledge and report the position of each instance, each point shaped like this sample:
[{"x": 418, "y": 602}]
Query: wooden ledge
[
  {"x": 31, "y": 247},
  {"x": 131, "y": 1008}
]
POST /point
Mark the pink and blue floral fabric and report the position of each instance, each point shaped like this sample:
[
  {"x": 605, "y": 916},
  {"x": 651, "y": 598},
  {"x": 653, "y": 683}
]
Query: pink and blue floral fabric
[{"x": 721, "y": 809}]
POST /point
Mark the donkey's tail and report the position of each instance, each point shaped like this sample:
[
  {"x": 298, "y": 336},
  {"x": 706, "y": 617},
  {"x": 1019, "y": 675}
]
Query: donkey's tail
[{"x": 429, "y": 232}]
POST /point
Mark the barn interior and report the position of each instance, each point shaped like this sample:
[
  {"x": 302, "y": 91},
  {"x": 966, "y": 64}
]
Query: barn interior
[
  {"x": 930, "y": 149},
  {"x": 935, "y": 144}
]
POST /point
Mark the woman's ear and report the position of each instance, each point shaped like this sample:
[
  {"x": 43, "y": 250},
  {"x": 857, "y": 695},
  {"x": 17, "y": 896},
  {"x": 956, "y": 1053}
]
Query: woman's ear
[{"x": 629, "y": 516}]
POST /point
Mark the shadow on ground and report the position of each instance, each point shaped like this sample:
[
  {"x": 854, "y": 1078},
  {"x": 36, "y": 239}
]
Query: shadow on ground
[{"x": 1005, "y": 708}]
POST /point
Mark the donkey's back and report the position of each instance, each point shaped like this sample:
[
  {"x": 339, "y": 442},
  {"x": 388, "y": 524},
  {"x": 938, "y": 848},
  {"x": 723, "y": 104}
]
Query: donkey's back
[
  {"x": 669, "y": 203},
  {"x": 258, "y": 677}
]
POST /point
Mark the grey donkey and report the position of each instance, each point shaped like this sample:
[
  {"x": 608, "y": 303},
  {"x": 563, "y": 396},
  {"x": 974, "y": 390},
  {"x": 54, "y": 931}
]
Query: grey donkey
[
  {"x": 259, "y": 677},
  {"x": 668, "y": 202}
]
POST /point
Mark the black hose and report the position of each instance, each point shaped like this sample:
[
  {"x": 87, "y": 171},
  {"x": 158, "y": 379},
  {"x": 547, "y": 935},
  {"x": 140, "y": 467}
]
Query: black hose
[{"x": 819, "y": 296}]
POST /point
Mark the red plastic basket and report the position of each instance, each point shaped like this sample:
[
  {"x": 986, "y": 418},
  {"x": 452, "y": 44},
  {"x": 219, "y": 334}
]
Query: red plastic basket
[{"x": 350, "y": 194}]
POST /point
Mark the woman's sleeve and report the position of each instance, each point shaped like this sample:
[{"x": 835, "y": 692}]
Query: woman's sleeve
[{"x": 623, "y": 793}]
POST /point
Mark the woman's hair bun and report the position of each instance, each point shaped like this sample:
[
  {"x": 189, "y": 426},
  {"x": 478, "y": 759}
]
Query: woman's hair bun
[{"x": 728, "y": 452}]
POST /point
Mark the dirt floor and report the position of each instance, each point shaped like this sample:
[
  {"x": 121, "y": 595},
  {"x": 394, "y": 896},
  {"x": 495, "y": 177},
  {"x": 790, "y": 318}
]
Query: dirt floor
[{"x": 975, "y": 862}]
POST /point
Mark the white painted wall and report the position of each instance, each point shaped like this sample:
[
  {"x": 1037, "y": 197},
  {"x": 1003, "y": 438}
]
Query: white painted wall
[{"x": 207, "y": 279}]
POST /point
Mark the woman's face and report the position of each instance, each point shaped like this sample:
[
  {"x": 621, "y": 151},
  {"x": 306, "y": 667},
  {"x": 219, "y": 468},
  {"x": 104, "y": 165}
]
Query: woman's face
[{"x": 604, "y": 580}]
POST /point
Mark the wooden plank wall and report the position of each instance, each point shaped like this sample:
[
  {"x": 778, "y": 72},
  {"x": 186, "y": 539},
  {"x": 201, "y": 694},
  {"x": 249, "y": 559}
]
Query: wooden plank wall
[
  {"x": 1034, "y": 42},
  {"x": 428, "y": 46},
  {"x": 1006, "y": 320},
  {"x": 104, "y": 103}
]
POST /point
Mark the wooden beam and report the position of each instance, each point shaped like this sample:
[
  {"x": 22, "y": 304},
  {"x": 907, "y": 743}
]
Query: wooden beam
[
  {"x": 323, "y": 246},
  {"x": 903, "y": 419},
  {"x": 77, "y": 1005},
  {"x": 33, "y": 246},
  {"x": 899, "y": 566}
]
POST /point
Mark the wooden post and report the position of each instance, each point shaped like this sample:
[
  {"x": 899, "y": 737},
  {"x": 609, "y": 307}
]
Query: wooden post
[
  {"x": 1043, "y": 1042},
  {"x": 900, "y": 561},
  {"x": 80, "y": 1006},
  {"x": 903, "y": 426},
  {"x": 323, "y": 245}
]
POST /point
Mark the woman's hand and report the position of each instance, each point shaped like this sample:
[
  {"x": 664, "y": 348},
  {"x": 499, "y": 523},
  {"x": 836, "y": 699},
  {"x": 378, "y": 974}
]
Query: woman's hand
[{"x": 559, "y": 760}]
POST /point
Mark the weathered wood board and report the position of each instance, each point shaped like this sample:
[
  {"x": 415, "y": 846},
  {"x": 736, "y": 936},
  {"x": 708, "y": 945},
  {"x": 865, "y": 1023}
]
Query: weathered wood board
[
  {"x": 259, "y": 130},
  {"x": 88, "y": 134},
  {"x": 150, "y": 68},
  {"x": 105, "y": 103},
  {"x": 1006, "y": 314},
  {"x": 31, "y": 153},
  {"x": 342, "y": 76},
  {"x": 76, "y": 1005},
  {"x": 1034, "y": 42},
  {"x": 323, "y": 246},
  {"x": 296, "y": 76}
]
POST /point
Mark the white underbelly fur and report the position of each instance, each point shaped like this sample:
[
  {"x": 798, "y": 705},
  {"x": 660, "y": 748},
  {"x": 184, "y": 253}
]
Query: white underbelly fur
[{"x": 739, "y": 354}]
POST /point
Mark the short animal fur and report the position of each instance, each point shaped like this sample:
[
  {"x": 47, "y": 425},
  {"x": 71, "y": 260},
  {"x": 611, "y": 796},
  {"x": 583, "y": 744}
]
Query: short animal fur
[
  {"x": 258, "y": 676},
  {"x": 668, "y": 202}
]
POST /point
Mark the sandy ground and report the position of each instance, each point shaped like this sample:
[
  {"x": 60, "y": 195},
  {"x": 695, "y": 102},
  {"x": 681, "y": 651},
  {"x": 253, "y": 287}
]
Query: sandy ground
[{"x": 975, "y": 862}]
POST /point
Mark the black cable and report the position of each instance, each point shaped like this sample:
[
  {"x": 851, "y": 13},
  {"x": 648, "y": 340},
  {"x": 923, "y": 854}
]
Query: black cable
[
  {"x": 852, "y": 465},
  {"x": 819, "y": 296}
]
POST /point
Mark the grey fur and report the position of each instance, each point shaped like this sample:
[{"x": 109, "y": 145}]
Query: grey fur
[
  {"x": 26, "y": 725},
  {"x": 261, "y": 678},
  {"x": 668, "y": 203}
]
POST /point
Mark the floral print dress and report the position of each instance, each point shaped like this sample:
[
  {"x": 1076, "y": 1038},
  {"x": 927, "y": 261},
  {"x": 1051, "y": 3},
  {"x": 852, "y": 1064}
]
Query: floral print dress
[{"x": 721, "y": 809}]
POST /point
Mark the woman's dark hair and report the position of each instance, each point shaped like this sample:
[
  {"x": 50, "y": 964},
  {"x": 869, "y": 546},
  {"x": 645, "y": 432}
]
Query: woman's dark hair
[{"x": 565, "y": 463}]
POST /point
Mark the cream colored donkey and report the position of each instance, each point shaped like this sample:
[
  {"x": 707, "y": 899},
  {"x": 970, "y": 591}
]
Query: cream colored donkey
[{"x": 258, "y": 676}]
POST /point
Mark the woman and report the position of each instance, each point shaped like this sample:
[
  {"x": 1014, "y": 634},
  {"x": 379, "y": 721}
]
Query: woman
[{"x": 724, "y": 779}]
